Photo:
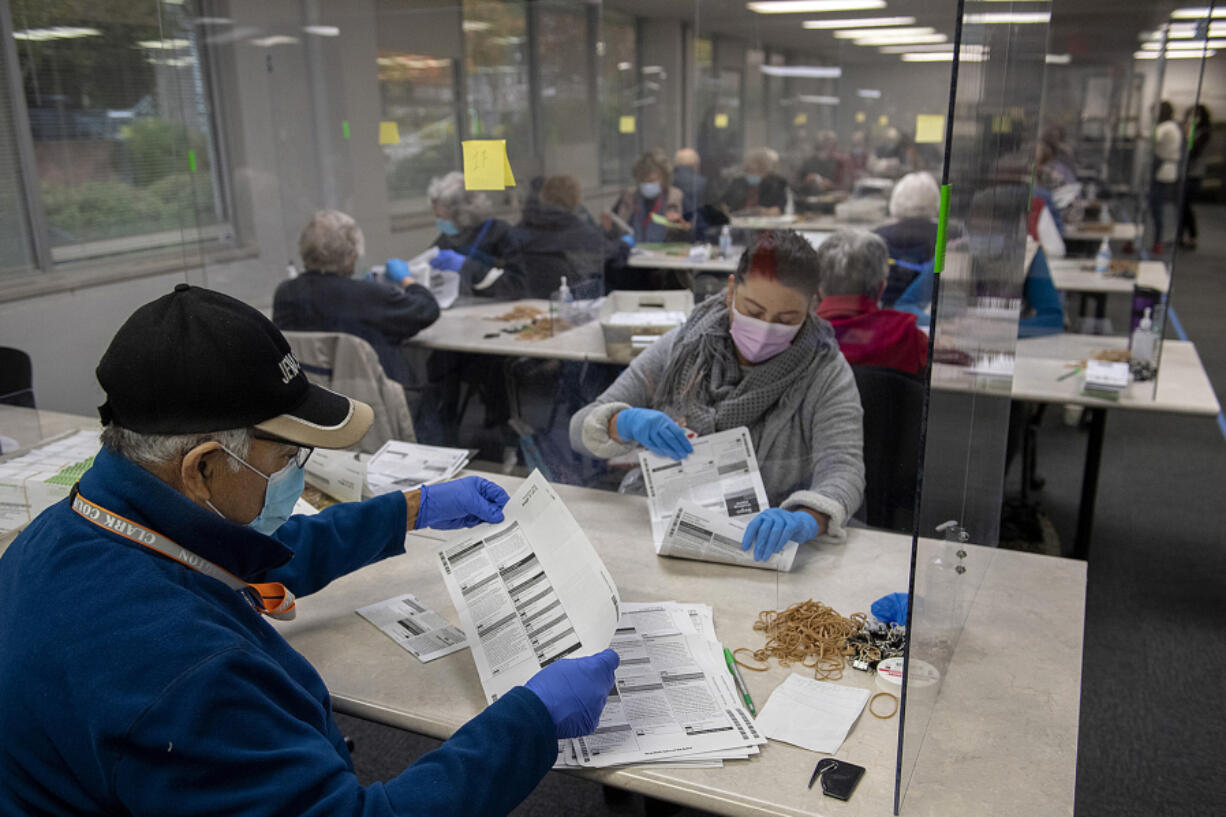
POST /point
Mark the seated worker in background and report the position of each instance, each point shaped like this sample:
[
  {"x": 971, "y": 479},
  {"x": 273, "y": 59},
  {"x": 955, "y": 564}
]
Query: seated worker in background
[
  {"x": 852, "y": 267},
  {"x": 653, "y": 208},
  {"x": 826, "y": 169},
  {"x": 688, "y": 179},
  {"x": 552, "y": 241},
  {"x": 911, "y": 239},
  {"x": 892, "y": 156},
  {"x": 327, "y": 298},
  {"x": 857, "y": 155},
  {"x": 758, "y": 191},
  {"x": 759, "y": 358},
  {"x": 162, "y": 689},
  {"x": 471, "y": 242}
]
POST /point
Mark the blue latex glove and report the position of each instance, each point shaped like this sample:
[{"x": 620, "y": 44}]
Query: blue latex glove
[
  {"x": 460, "y": 503},
  {"x": 891, "y": 608},
  {"x": 628, "y": 239},
  {"x": 396, "y": 270},
  {"x": 574, "y": 690},
  {"x": 449, "y": 260},
  {"x": 770, "y": 530},
  {"x": 655, "y": 431}
]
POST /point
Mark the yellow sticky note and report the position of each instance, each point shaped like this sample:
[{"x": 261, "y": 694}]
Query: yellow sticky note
[
  {"x": 389, "y": 133},
  {"x": 861, "y": 116},
  {"x": 1001, "y": 124},
  {"x": 883, "y": 120},
  {"x": 486, "y": 166},
  {"x": 930, "y": 128},
  {"x": 801, "y": 119},
  {"x": 626, "y": 124},
  {"x": 721, "y": 120}
]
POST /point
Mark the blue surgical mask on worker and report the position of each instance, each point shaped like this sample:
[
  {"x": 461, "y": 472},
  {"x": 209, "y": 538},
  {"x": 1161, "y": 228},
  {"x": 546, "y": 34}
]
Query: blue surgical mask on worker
[
  {"x": 446, "y": 226},
  {"x": 280, "y": 495},
  {"x": 753, "y": 179},
  {"x": 649, "y": 189}
]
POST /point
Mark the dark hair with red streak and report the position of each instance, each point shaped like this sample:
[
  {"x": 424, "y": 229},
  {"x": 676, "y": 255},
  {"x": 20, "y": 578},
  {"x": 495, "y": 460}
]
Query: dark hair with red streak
[{"x": 781, "y": 255}]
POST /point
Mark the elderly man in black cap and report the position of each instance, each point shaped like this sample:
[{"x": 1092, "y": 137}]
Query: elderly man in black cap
[{"x": 138, "y": 673}]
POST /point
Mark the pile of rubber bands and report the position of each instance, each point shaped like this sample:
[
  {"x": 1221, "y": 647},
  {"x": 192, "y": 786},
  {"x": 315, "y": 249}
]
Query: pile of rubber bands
[{"x": 810, "y": 634}]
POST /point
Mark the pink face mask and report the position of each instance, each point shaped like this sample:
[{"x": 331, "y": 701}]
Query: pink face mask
[{"x": 758, "y": 340}]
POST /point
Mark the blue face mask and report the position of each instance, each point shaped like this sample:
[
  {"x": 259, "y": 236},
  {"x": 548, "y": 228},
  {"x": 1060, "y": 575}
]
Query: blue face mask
[
  {"x": 282, "y": 492},
  {"x": 753, "y": 180},
  {"x": 446, "y": 226},
  {"x": 649, "y": 189}
]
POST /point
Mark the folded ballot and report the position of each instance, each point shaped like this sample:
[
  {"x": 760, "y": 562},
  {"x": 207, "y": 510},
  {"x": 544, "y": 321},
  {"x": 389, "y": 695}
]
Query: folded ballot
[{"x": 698, "y": 533}]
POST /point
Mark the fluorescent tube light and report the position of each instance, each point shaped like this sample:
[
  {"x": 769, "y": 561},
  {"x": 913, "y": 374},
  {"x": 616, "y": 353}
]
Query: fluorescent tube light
[
  {"x": 323, "y": 31},
  {"x": 941, "y": 46},
  {"x": 38, "y": 35},
  {"x": 1059, "y": 59},
  {"x": 810, "y": 71},
  {"x": 812, "y": 6},
  {"x": 1173, "y": 55},
  {"x": 942, "y": 56},
  {"x": 863, "y": 22},
  {"x": 857, "y": 33},
  {"x": 869, "y": 93},
  {"x": 164, "y": 45},
  {"x": 1198, "y": 13},
  {"x": 1011, "y": 17},
  {"x": 1184, "y": 45},
  {"x": 818, "y": 99},
  {"x": 917, "y": 40}
]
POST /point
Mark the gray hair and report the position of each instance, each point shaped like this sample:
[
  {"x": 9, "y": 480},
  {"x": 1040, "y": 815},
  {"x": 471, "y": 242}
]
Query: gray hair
[
  {"x": 852, "y": 262},
  {"x": 331, "y": 242},
  {"x": 915, "y": 195},
  {"x": 161, "y": 449},
  {"x": 763, "y": 159},
  {"x": 468, "y": 207}
]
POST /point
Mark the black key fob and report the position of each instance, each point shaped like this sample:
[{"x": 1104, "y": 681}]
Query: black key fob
[{"x": 839, "y": 778}]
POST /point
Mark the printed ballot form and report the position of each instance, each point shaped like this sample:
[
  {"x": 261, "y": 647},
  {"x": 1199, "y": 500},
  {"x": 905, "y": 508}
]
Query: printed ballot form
[
  {"x": 417, "y": 628},
  {"x": 697, "y": 533},
  {"x": 721, "y": 476},
  {"x": 403, "y": 466},
  {"x": 529, "y": 590}
]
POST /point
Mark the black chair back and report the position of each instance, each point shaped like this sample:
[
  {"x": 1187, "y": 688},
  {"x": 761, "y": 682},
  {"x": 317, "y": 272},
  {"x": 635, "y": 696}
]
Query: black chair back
[
  {"x": 16, "y": 378},
  {"x": 893, "y": 404}
]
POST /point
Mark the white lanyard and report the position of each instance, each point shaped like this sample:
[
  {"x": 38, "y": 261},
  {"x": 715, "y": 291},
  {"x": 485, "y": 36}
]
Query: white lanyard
[{"x": 275, "y": 599}]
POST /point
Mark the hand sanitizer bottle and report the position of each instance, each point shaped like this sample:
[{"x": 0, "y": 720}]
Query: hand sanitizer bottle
[
  {"x": 725, "y": 242},
  {"x": 1143, "y": 339},
  {"x": 1102, "y": 261}
]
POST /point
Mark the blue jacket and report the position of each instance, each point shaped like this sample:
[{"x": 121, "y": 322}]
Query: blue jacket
[{"x": 132, "y": 684}]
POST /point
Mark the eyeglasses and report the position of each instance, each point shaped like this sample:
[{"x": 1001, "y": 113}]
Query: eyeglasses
[{"x": 302, "y": 453}]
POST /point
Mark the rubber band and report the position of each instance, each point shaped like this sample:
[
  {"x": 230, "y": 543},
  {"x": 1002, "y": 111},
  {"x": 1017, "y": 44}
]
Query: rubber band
[{"x": 874, "y": 712}]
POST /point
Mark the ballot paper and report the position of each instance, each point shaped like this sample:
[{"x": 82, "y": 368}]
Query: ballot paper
[
  {"x": 403, "y": 466},
  {"x": 34, "y": 481},
  {"x": 673, "y": 698},
  {"x": 417, "y": 628},
  {"x": 529, "y": 590},
  {"x": 697, "y": 533},
  {"x": 721, "y": 475},
  {"x": 339, "y": 474},
  {"x": 815, "y": 715},
  {"x": 645, "y": 318}
]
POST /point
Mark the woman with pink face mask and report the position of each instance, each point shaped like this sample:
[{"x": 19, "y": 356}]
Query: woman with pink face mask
[{"x": 757, "y": 357}]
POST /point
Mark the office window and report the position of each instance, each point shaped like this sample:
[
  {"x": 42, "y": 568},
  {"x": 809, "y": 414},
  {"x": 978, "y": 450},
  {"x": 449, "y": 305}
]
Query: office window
[
  {"x": 417, "y": 93},
  {"x": 123, "y": 152},
  {"x": 16, "y": 251},
  {"x": 619, "y": 114},
  {"x": 564, "y": 62},
  {"x": 496, "y": 65}
]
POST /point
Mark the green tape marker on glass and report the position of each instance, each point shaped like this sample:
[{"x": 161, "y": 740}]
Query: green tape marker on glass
[
  {"x": 191, "y": 161},
  {"x": 938, "y": 263},
  {"x": 345, "y": 128}
]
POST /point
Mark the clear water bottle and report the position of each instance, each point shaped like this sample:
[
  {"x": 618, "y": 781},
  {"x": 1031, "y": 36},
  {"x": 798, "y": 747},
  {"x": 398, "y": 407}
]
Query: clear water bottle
[
  {"x": 725, "y": 242},
  {"x": 1102, "y": 261}
]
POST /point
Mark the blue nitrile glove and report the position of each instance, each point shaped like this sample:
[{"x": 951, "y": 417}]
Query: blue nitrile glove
[
  {"x": 628, "y": 239},
  {"x": 770, "y": 530},
  {"x": 574, "y": 690},
  {"x": 655, "y": 431},
  {"x": 449, "y": 260},
  {"x": 396, "y": 270},
  {"x": 891, "y": 608},
  {"x": 460, "y": 503}
]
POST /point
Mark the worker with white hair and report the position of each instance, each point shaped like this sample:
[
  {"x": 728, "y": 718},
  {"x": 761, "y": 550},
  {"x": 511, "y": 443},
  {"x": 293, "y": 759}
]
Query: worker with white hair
[
  {"x": 911, "y": 237},
  {"x": 472, "y": 242},
  {"x": 759, "y": 190}
]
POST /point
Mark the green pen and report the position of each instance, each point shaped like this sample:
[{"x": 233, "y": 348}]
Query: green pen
[
  {"x": 739, "y": 681},
  {"x": 1069, "y": 374}
]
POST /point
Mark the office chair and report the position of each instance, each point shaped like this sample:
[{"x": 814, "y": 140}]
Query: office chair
[
  {"x": 16, "y": 378},
  {"x": 893, "y": 403}
]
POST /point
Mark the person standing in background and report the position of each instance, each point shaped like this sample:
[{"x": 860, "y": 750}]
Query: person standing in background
[
  {"x": 1200, "y": 130},
  {"x": 688, "y": 179},
  {"x": 1168, "y": 141}
]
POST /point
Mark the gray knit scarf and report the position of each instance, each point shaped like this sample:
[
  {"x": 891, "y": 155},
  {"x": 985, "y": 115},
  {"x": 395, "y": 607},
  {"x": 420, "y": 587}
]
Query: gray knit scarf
[{"x": 706, "y": 386}]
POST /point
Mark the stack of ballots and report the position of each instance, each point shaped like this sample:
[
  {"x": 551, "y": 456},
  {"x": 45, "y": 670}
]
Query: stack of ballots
[
  {"x": 403, "y": 466},
  {"x": 36, "y": 480}
]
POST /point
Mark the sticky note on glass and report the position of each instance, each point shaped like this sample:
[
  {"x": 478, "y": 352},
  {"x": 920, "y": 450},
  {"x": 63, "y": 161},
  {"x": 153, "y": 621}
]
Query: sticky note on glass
[
  {"x": 800, "y": 119},
  {"x": 721, "y": 120},
  {"x": 883, "y": 120},
  {"x": 486, "y": 166},
  {"x": 626, "y": 124},
  {"x": 930, "y": 128},
  {"x": 861, "y": 116},
  {"x": 1001, "y": 124},
  {"x": 656, "y": 218},
  {"x": 389, "y": 133}
]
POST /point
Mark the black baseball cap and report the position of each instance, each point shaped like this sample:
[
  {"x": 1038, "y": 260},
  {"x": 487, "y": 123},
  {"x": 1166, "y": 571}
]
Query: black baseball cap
[{"x": 196, "y": 361}]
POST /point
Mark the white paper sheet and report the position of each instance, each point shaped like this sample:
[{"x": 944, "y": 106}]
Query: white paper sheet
[
  {"x": 36, "y": 480},
  {"x": 417, "y": 628},
  {"x": 720, "y": 475},
  {"x": 339, "y": 474},
  {"x": 811, "y": 714},
  {"x": 403, "y": 466},
  {"x": 530, "y": 590},
  {"x": 695, "y": 532}
]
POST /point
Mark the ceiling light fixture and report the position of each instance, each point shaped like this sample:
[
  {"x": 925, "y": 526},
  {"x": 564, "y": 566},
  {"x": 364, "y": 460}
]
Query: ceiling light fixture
[
  {"x": 164, "y": 45},
  {"x": 869, "y": 93},
  {"x": 812, "y": 6},
  {"x": 323, "y": 31},
  {"x": 942, "y": 56},
  {"x": 863, "y": 22},
  {"x": 1184, "y": 45},
  {"x": 1174, "y": 55},
  {"x": 1010, "y": 17},
  {"x": 817, "y": 99},
  {"x": 1059, "y": 59},
  {"x": 917, "y": 40},
  {"x": 857, "y": 33},
  {"x": 1197, "y": 13},
  {"x": 941, "y": 46},
  {"x": 38, "y": 35},
  {"x": 809, "y": 71}
]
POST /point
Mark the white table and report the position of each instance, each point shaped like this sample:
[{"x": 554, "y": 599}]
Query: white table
[
  {"x": 1120, "y": 231},
  {"x": 1078, "y": 275},
  {"x": 1007, "y": 716},
  {"x": 793, "y": 222},
  {"x": 470, "y": 328},
  {"x": 647, "y": 257}
]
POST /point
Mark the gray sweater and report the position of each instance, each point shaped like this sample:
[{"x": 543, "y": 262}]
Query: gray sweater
[{"x": 810, "y": 445}]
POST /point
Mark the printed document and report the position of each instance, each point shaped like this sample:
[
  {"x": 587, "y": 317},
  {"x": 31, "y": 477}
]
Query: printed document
[
  {"x": 529, "y": 590},
  {"x": 417, "y": 628},
  {"x": 814, "y": 715},
  {"x": 697, "y": 533},
  {"x": 403, "y": 466},
  {"x": 721, "y": 476}
]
